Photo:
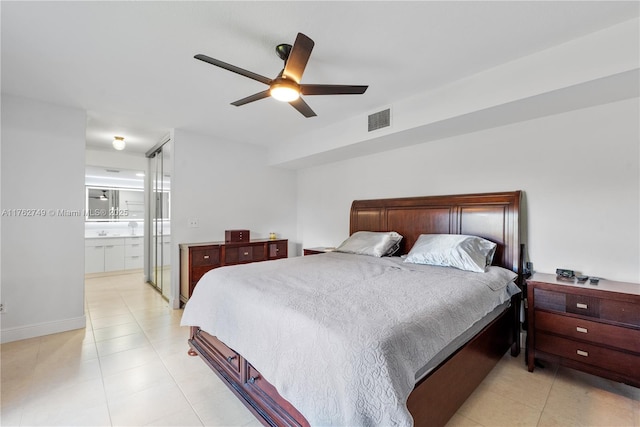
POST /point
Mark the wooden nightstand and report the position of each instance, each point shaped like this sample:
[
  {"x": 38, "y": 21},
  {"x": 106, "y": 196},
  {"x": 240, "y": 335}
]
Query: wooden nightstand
[
  {"x": 318, "y": 250},
  {"x": 593, "y": 328}
]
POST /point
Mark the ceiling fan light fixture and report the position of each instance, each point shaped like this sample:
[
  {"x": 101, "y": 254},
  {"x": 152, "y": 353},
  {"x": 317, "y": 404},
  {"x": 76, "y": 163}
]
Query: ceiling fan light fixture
[
  {"x": 118, "y": 142},
  {"x": 284, "y": 91}
]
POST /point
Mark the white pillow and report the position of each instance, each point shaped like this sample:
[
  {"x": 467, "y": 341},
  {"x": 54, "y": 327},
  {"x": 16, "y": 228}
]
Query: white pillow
[
  {"x": 471, "y": 253},
  {"x": 372, "y": 243}
]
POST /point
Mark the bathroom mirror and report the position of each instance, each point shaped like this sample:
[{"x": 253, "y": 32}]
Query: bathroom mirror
[{"x": 114, "y": 204}]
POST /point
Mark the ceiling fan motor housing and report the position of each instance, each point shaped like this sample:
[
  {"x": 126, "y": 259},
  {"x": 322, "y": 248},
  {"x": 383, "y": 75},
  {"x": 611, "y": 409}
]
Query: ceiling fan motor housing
[{"x": 283, "y": 50}]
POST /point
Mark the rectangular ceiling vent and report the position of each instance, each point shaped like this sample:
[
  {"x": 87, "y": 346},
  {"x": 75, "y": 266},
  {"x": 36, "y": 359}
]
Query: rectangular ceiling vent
[{"x": 379, "y": 120}]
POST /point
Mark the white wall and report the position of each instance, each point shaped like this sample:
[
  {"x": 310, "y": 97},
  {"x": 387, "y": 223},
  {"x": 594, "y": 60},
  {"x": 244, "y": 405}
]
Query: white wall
[
  {"x": 579, "y": 172},
  {"x": 595, "y": 69},
  {"x": 116, "y": 159},
  {"x": 42, "y": 256},
  {"x": 227, "y": 185}
]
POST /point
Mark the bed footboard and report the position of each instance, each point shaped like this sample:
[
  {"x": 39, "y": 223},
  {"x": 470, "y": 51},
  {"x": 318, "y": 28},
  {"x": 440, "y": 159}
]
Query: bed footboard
[
  {"x": 260, "y": 397},
  {"x": 432, "y": 403},
  {"x": 438, "y": 396}
]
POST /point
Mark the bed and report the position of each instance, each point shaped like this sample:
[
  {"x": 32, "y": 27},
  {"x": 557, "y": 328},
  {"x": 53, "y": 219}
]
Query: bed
[{"x": 418, "y": 392}]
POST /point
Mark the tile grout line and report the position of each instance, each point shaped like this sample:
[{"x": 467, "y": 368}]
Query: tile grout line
[
  {"x": 31, "y": 385},
  {"x": 555, "y": 375},
  {"x": 144, "y": 331},
  {"x": 95, "y": 344}
]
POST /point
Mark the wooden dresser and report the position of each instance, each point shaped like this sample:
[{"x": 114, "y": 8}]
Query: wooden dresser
[
  {"x": 198, "y": 258},
  {"x": 591, "y": 327},
  {"x": 317, "y": 250}
]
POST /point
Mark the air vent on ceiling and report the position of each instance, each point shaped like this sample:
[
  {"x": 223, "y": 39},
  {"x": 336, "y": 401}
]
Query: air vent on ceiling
[{"x": 379, "y": 120}]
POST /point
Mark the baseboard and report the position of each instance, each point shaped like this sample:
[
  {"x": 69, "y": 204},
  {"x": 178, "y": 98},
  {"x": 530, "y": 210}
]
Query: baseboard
[
  {"x": 40, "y": 329},
  {"x": 113, "y": 273}
]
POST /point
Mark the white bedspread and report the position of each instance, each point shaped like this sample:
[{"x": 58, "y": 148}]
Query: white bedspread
[{"x": 341, "y": 336}]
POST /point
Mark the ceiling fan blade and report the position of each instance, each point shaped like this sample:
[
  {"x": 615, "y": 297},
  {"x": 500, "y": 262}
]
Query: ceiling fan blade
[
  {"x": 255, "y": 97},
  {"x": 298, "y": 58},
  {"x": 303, "y": 108},
  {"x": 233, "y": 68},
  {"x": 332, "y": 89}
]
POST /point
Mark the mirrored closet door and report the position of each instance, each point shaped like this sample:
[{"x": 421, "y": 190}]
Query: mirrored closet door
[{"x": 158, "y": 269}]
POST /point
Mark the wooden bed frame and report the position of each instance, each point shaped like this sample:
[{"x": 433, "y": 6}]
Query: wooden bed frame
[{"x": 435, "y": 398}]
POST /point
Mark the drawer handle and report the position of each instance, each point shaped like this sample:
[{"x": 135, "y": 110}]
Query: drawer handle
[
  {"x": 230, "y": 358},
  {"x": 246, "y": 253},
  {"x": 583, "y": 330},
  {"x": 252, "y": 380},
  {"x": 582, "y": 306},
  {"x": 136, "y": 245},
  {"x": 206, "y": 257},
  {"x": 582, "y": 353}
]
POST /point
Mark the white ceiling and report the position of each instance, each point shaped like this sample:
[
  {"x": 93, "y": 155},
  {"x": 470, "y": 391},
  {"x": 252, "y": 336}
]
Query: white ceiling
[{"x": 130, "y": 64}]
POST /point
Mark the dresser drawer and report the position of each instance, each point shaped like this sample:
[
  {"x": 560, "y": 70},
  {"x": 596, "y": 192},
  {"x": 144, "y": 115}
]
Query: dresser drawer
[
  {"x": 229, "y": 359},
  {"x": 587, "y": 330},
  {"x": 198, "y": 272},
  {"x": 277, "y": 250},
  {"x": 205, "y": 256},
  {"x": 616, "y": 361},
  {"x": 243, "y": 254},
  {"x": 259, "y": 253},
  {"x": 238, "y": 254}
]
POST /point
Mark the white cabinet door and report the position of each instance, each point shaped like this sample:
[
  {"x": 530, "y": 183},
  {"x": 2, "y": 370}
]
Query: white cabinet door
[
  {"x": 93, "y": 259},
  {"x": 113, "y": 257},
  {"x": 133, "y": 252}
]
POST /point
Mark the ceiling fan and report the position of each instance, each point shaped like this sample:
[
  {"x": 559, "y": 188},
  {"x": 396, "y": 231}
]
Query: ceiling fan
[
  {"x": 103, "y": 196},
  {"x": 286, "y": 86}
]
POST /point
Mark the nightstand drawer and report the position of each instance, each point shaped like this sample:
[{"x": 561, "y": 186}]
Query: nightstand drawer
[
  {"x": 587, "y": 330},
  {"x": 616, "y": 361},
  {"x": 550, "y": 300},
  {"x": 583, "y": 305},
  {"x": 622, "y": 312}
]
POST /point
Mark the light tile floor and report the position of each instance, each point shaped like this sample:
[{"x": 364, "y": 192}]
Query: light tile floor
[{"x": 129, "y": 367}]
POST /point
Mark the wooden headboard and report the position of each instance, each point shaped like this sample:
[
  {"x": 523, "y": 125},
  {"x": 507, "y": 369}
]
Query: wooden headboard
[{"x": 494, "y": 216}]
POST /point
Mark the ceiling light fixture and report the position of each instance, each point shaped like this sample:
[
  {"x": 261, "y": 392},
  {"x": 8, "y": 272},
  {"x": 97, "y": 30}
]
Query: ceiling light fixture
[
  {"x": 118, "y": 142},
  {"x": 284, "y": 90}
]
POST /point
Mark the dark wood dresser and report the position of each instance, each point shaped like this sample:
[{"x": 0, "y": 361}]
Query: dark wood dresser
[
  {"x": 198, "y": 258},
  {"x": 317, "y": 250},
  {"x": 591, "y": 327}
]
